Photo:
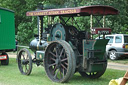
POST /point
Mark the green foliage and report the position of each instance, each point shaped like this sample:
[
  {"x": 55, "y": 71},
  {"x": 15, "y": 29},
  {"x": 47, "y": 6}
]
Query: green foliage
[
  {"x": 118, "y": 22},
  {"x": 27, "y": 26},
  {"x": 25, "y": 33}
]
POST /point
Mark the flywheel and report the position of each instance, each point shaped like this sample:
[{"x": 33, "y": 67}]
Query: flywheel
[{"x": 58, "y": 32}]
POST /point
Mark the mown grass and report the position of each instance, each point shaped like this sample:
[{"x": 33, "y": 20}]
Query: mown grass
[
  {"x": 120, "y": 61},
  {"x": 10, "y": 75}
]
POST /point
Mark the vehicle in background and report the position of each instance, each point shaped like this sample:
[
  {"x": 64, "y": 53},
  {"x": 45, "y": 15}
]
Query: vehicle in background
[
  {"x": 117, "y": 46},
  {"x": 7, "y": 34}
]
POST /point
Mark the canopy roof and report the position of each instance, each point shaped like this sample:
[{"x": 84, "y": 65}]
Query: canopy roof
[{"x": 77, "y": 11}]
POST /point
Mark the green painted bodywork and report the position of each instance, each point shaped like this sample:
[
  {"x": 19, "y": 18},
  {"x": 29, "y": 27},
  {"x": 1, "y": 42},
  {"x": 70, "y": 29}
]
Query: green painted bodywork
[
  {"x": 7, "y": 29},
  {"x": 39, "y": 55},
  {"x": 93, "y": 53},
  {"x": 58, "y": 32}
]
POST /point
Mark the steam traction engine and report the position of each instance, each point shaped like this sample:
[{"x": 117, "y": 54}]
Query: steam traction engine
[{"x": 64, "y": 49}]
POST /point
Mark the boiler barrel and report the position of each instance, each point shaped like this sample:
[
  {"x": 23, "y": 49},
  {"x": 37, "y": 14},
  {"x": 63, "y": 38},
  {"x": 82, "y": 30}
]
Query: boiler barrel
[{"x": 34, "y": 45}]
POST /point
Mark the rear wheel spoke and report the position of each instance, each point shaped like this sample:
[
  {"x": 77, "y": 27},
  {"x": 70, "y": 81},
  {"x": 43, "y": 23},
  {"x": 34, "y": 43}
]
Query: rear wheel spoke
[
  {"x": 52, "y": 64},
  {"x": 53, "y": 59},
  {"x": 54, "y": 70},
  {"x": 56, "y": 52},
  {"x": 64, "y": 59},
  {"x": 61, "y": 52},
  {"x": 63, "y": 66},
  {"x": 65, "y": 63},
  {"x": 63, "y": 72},
  {"x": 60, "y": 74},
  {"x": 52, "y": 54},
  {"x": 55, "y": 76}
]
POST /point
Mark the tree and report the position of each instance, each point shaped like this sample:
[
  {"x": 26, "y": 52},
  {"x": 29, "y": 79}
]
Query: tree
[{"x": 26, "y": 26}]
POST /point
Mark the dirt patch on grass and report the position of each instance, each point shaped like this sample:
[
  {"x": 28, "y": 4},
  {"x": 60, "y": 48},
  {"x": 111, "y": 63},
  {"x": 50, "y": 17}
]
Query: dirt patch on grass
[
  {"x": 117, "y": 66},
  {"x": 12, "y": 54}
]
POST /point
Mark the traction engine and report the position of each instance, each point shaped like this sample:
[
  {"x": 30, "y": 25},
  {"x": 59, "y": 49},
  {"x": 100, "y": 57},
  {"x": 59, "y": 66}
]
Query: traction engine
[{"x": 64, "y": 49}]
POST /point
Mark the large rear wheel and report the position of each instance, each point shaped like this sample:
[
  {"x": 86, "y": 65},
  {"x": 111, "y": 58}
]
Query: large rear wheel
[
  {"x": 59, "y": 61},
  {"x": 95, "y": 75},
  {"x": 25, "y": 61}
]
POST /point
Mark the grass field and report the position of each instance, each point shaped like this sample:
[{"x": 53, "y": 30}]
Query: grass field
[
  {"x": 10, "y": 75},
  {"x": 120, "y": 61}
]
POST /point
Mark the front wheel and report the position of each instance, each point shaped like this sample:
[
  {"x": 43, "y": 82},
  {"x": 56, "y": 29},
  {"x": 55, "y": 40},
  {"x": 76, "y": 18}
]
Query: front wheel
[
  {"x": 112, "y": 55},
  {"x": 25, "y": 62}
]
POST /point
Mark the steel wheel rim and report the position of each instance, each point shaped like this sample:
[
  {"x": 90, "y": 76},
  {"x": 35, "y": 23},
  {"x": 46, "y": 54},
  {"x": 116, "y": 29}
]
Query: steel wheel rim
[
  {"x": 58, "y": 72},
  {"x": 24, "y": 62}
]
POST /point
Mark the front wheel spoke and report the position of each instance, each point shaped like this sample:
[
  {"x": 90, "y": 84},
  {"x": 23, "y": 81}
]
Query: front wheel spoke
[
  {"x": 27, "y": 57},
  {"x": 23, "y": 56},
  {"x": 22, "y": 66},
  {"x": 25, "y": 68}
]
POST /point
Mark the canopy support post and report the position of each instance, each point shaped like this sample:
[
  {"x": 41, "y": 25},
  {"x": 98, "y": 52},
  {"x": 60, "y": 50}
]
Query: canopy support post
[
  {"x": 40, "y": 28},
  {"x": 103, "y": 21},
  {"x": 91, "y": 26}
]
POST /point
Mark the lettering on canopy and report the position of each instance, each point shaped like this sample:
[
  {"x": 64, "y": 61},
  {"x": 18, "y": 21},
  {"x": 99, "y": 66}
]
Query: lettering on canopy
[{"x": 52, "y": 12}]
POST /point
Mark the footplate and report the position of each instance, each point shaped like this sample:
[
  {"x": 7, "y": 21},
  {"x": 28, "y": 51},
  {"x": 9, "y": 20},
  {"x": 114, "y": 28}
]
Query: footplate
[{"x": 94, "y": 54}]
